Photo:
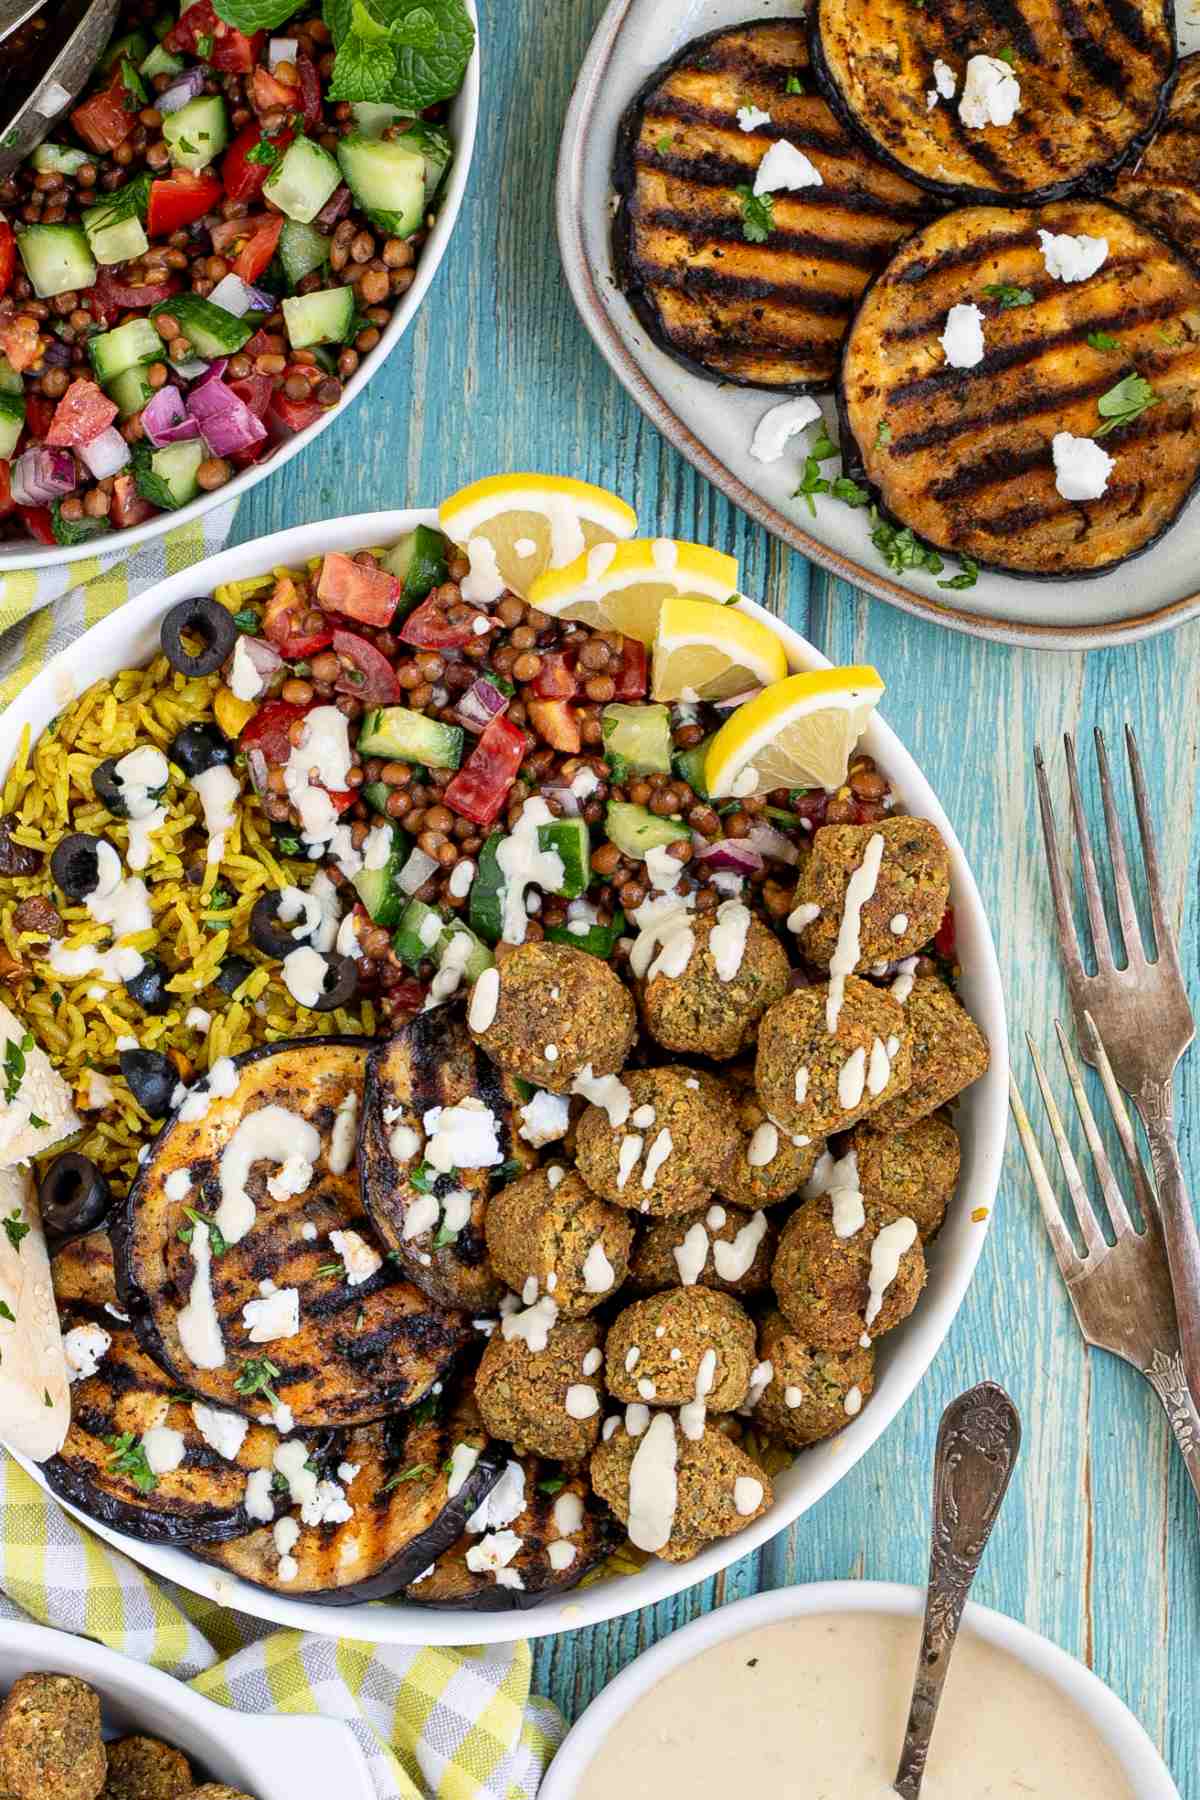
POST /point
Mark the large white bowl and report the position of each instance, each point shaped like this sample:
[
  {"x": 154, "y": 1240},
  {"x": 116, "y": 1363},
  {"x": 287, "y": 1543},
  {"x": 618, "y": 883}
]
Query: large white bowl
[
  {"x": 128, "y": 638},
  {"x": 463, "y": 120},
  {"x": 271, "y": 1756},
  {"x": 1116, "y": 1726}
]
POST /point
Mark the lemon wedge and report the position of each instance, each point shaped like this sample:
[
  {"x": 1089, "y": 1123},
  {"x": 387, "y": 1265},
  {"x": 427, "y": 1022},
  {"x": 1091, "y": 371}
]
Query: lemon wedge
[
  {"x": 798, "y": 733},
  {"x": 708, "y": 652},
  {"x": 515, "y": 527},
  {"x": 621, "y": 587}
]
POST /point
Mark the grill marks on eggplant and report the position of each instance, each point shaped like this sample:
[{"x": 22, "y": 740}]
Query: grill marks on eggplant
[
  {"x": 967, "y": 459},
  {"x": 404, "y": 1515},
  {"x": 1094, "y": 74},
  {"x": 203, "y": 1497},
  {"x": 433, "y": 1062},
  {"x": 771, "y": 314},
  {"x": 361, "y": 1350},
  {"x": 1163, "y": 188}
]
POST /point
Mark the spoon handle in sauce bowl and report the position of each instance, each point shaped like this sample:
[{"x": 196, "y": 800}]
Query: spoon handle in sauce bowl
[{"x": 977, "y": 1445}]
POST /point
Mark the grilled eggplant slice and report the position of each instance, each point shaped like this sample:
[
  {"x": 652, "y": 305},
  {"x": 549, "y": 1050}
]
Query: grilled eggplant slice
[
  {"x": 433, "y": 1062},
  {"x": 770, "y": 314},
  {"x": 367, "y": 1342},
  {"x": 561, "y": 1510},
  {"x": 98, "y": 1468},
  {"x": 963, "y": 456},
  {"x": 1164, "y": 187},
  {"x": 1094, "y": 75},
  {"x": 404, "y": 1516}
]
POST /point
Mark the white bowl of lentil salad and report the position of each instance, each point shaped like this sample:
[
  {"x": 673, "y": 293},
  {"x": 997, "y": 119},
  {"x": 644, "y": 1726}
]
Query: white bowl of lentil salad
[
  {"x": 203, "y": 265},
  {"x": 127, "y": 642}
]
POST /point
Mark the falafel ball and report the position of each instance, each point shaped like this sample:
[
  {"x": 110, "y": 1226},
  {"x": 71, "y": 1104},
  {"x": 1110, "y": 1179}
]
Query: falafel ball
[
  {"x": 906, "y": 905},
  {"x": 687, "y": 1344},
  {"x": 669, "y": 1154},
  {"x": 812, "y": 1394},
  {"x": 768, "y": 1164},
  {"x": 949, "y": 1052},
  {"x": 680, "y": 1252},
  {"x": 556, "y": 1011},
  {"x": 822, "y": 1280},
  {"x": 144, "y": 1768},
  {"x": 719, "y": 1490},
  {"x": 736, "y": 969},
  {"x": 914, "y": 1172},
  {"x": 545, "y": 1402},
  {"x": 813, "y": 1081},
  {"x": 50, "y": 1742},
  {"x": 550, "y": 1225}
]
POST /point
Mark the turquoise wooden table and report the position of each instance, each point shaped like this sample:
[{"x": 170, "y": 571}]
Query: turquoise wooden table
[{"x": 1099, "y": 1545}]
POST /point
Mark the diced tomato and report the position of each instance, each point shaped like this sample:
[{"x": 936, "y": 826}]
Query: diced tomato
[
  {"x": 262, "y": 344},
  {"x": 255, "y": 391},
  {"x": 81, "y": 415},
  {"x": 8, "y": 255},
  {"x": 39, "y": 415},
  {"x": 407, "y": 996},
  {"x": 557, "y": 722},
  {"x": 480, "y": 788},
  {"x": 358, "y": 590},
  {"x": 105, "y": 121},
  {"x": 258, "y": 250},
  {"x": 180, "y": 201},
  {"x": 38, "y": 523},
  {"x": 128, "y": 507},
  {"x": 232, "y": 52},
  {"x": 281, "y": 623},
  {"x": 311, "y": 97},
  {"x": 366, "y": 671},
  {"x": 342, "y": 801},
  {"x": 555, "y": 680},
  {"x": 7, "y": 503},
  {"x": 289, "y": 416},
  {"x": 946, "y": 941},
  {"x": 21, "y": 341},
  {"x": 436, "y": 625},
  {"x": 268, "y": 730},
  {"x": 269, "y": 95},
  {"x": 243, "y": 177},
  {"x": 631, "y": 677}
]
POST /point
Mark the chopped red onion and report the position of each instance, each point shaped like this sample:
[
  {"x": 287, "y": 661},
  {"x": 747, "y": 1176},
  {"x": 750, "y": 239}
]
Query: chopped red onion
[
  {"x": 265, "y": 657},
  {"x": 213, "y": 371},
  {"x": 226, "y": 423},
  {"x": 256, "y": 763},
  {"x": 40, "y": 476},
  {"x": 58, "y": 354},
  {"x": 189, "y": 87},
  {"x": 568, "y": 801},
  {"x": 771, "y": 844},
  {"x": 481, "y": 703},
  {"x": 334, "y": 209},
  {"x": 106, "y": 454},
  {"x": 731, "y": 853},
  {"x": 235, "y": 296},
  {"x": 416, "y": 871},
  {"x": 163, "y": 416}
]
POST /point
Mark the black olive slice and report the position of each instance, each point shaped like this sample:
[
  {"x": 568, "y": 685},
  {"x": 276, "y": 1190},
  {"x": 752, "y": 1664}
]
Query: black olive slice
[
  {"x": 73, "y": 1195},
  {"x": 232, "y": 973},
  {"x": 341, "y": 984},
  {"x": 266, "y": 933},
  {"x": 200, "y": 747},
  {"x": 203, "y": 618},
  {"x": 149, "y": 987},
  {"x": 152, "y": 1080},
  {"x": 75, "y": 864}
]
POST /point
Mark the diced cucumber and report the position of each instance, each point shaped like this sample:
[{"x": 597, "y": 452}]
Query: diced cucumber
[
  {"x": 388, "y": 181},
  {"x": 372, "y": 118},
  {"x": 689, "y": 765},
  {"x": 58, "y": 159},
  {"x": 302, "y": 180},
  {"x": 486, "y": 905},
  {"x": 57, "y": 259},
  {"x": 640, "y": 736},
  {"x": 167, "y": 477},
  {"x": 161, "y": 61},
  {"x": 209, "y": 329},
  {"x": 133, "y": 45},
  {"x": 114, "y": 226},
  {"x": 197, "y": 133},
  {"x": 10, "y": 381},
  {"x": 130, "y": 389},
  {"x": 424, "y": 935},
  {"x": 321, "y": 318},
  {"x": 597, "y": 940},
  {"x": 433, "y": 146},
  {"x": 396, "y": 731},
  {"x": 375, "y": 793},
  {"x": 569, "y": 839},
  {"x": 12, "y": 420},
  {"x": 302, "y": 250},
  {"x": 112, "y": 352},
  {"x": 418, "y": 562},
  {"x": 377, "y": 889},
  {"x": 635, "y": 829}
]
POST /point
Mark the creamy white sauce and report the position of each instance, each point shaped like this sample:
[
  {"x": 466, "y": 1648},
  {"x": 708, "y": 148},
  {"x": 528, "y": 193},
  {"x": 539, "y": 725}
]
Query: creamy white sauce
[
  {"x": 844, "y": 960},
  {"x": 272, "y": 1134},
  {"x": 817, "y": 1707}
]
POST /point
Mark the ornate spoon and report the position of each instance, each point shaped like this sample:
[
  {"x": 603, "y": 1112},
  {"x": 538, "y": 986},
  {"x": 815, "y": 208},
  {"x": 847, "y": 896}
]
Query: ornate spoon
[
  {"x": 49, "y": 73},
  {"x": 977, "y": 1446}
]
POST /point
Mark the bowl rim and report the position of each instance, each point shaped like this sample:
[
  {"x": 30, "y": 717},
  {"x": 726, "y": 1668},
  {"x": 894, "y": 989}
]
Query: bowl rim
[
  {"x": 126, "y": 636},
  {"x": 464, "y": 116},
  {"x": 1117, "y": 1726}
]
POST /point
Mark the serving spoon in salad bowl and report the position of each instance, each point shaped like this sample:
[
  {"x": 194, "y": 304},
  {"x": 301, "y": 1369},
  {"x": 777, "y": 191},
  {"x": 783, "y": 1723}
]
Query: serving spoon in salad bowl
[{"x": 48, "y": 50}]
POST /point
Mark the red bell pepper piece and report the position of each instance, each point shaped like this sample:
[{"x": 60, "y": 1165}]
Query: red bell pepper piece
[
  {"x": 289, "y": 416},
  {"x": 258, "y": 249},
  {"x": 269, "y": 728},
  {"x": 39, "y": 415},
  {"x": 38, "y": 523},
  {"x": 255, "y": 391},
  {"x": 106, "y": 120},
  {"x": 8, "y": 255},
  {"x": 358, "y": 590},
  {"x": 557, "y": 722},
  {"x": 81, "y": 415},
  {"x": 243, "y": 174},
  {"x": 556, "y": 680},
  {"x": 430, "y": 627},
  {"x": 480, "y": 788},
  {"x": 366, "y": 671},
  {"x": 232, "y": 52},
  {"x": 179, "y": 201},
  {"x": 128, "y": 507},
  {"x": 7, "y": 504},
  {"x": 632, "y": 679},
  {"x": 945, "y": 942}
]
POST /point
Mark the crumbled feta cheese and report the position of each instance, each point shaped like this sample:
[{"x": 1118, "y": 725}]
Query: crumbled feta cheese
[
  {"x": 545, "y": 1118},
  {"x": 1081, "y": 466},
  {"x": 785, "y": 167},
  {"x": 750, "y": 117},
  {"x": 163, "y": 1448},
  {"x": 465, "y": 1136},
  {"x": 962, "y": 338},
  {"x": 944, "y": 84},
  {"x": 781, "y": 423},
  {"x": 360, "y": 1258},
  {"x": 1070, "y": 258},
  {"x": 275, "y": 1315},
  {"x": 222, "y": 1431},
  {"x": 85, "y": 1345},
  {"x": 991, "y": 93}
]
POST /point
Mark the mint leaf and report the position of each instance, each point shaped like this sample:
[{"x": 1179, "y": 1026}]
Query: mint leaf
[
  {"x": 74, "y": 531},
  {"x": 1125, "y": 402},
  {"x": 256, "y": 15},
  {"x": 409, "y": 53},
  {"x": 150, "y": 484},
  {"x": 364, "y": 69}
]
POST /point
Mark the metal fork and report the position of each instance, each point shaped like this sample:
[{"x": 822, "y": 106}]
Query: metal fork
[
  {"x": 1140, "y": 1013},
  {"x": 1121, "y": 1292}
]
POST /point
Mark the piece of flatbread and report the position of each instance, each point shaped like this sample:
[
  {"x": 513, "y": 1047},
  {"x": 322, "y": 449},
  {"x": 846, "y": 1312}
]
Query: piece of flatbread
[
  {"x": 38, "y": 1092},
  {"x": 35, "y": 1402}
]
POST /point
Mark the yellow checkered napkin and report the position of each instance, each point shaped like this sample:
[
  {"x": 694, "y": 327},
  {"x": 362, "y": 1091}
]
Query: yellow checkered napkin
[
  {"x": 450, "y": 1724},
  {"x": 43, "y": 610}
]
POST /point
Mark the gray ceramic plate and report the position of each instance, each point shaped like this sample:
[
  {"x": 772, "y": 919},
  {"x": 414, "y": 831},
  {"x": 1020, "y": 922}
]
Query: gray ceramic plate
[{"x": 713, "y": 425}]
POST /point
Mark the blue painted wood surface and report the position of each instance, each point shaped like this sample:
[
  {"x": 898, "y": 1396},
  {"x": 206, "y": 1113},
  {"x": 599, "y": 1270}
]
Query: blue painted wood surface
[{"x": 1099, "y": 1544}]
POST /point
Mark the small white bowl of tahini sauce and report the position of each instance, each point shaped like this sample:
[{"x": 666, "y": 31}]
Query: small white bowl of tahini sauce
[{"x": 804, "y": 1693}]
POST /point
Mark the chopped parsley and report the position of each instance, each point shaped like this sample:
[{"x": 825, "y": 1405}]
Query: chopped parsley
[
  {"x": 1008, "y": 55},
  {"x": 444, "y": 1237},
  {"x": 14, "y": 1064},
  {"x": 15, "y": 1228},
  {"x": 248, "y": 621},
  {"x": 216, "y": 1237},
  {"x": 902, "y": 549},
  {"x": 265, "y": 153},
  {"x": 46, "y": 1399},
  {"x": 664, "y": 143},
  {"x": 332, "y": 1268},
  {"x": 554, "y": 1486},
  {"x": 418, "y": 1472},
  {"x": 758, "y": 214},
  {"x": 1102, "y": 340},
  {"x": 883, "y": 434},
  {"x": 812, "y": 482},
  {"x": 255, "y": 1377},
  {"x": 794, "y": 85},
  {"x": 429, "y": 1409},
  {"x": 1127, "y": 401},
  {"x": 129, "y": 1458},
  {"x": 6, "y": 1312},
  {"x": 204, "y": 49},
  {"x": 1007, "y": 294},
  {"x": 967, "y": 576},
  {"x": 422, "y": 1178}
]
